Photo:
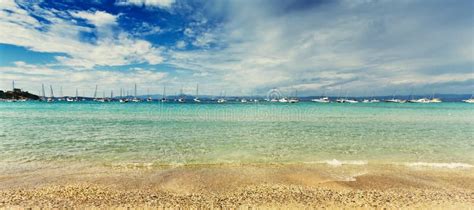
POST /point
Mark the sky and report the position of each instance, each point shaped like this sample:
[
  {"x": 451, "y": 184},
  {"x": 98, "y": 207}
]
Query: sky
[{"x": 242, "y": 47}]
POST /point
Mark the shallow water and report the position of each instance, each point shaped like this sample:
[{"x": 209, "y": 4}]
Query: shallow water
[{"x": 175, "y": 134}]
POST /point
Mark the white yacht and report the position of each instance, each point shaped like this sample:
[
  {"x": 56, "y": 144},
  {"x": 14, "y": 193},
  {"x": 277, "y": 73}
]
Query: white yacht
[
  {"x": 196, "y": 99},
  {"x": 470, "y": 101},
  {"x": 283, "y": 100},
  {"x": 243, "y": 100},
  {"x": 345, "y": 100},
  {"x": 321, "y": 100},
  {"x": 135, "y": 99},
  {"x": 436, "y": 100},
  {"x": 420, "y": 100},
  {"x": 351, "y": 101},
  {"x": 51, "y": 99},
  {"x": 394, "y": 100},
  {"x": 374, "y": 101},
  {"x": 293, "y": 100}
]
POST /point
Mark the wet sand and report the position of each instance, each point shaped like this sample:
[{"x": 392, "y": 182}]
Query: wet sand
[{"x": 239, "y": 186}]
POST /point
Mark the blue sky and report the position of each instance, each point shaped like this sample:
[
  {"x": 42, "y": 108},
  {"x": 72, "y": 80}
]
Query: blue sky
[{"x": 241, "y": 47}]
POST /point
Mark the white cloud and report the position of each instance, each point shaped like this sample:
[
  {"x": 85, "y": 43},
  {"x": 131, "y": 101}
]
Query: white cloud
[
  {"x": 180, "y": 44},
  {"x": 112, "y": 48},
  {"x": 97, "y": 18},
  {"x": 149, "y": 3}
]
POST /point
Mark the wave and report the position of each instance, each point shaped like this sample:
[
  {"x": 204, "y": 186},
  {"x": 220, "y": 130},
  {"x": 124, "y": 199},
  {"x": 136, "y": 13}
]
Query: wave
[
  {"x": 439, "y": 165},
  {"x": 336, "y": 163}
]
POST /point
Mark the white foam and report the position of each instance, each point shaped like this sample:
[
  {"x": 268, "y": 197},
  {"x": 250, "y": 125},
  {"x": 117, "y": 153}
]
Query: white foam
[
  {"x": 337, "y": 163},
  {"x": 440, "y": 165}
]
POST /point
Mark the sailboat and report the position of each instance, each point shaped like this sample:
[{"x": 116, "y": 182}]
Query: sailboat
[
  {"x": 103, "y": 97},
  {"x": 70, "y": 99},
  {"x": 372, "y": 100},
  {"x": 122, "y": 100},
  {"x": 43, "y": 98},
  {"x": 163, "y": 99},
  {"x": 294, "y": 99},
  {"x": 95, "y": 93},
  {"x": 435, "y": 100},
  {"x": 322, "y": 99},
  {"x": 111, "y": 96},
  {"x": 148, "y": 98},
  {"x": 395, "y": 100},
  {"x": 196, "y": 99},
  {"x": 61, "y": 98},
  {"x": 51, "y": 99},
  {"x": 346, "y": 100},
  {"x": 135, "y": 99},
  {"x": 181, "y": 98},
  {"x": 221, "y": 100}
]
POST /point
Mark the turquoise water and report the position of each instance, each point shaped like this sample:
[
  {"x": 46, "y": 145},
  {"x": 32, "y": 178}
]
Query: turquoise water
[{"x": 167, "y": 134}]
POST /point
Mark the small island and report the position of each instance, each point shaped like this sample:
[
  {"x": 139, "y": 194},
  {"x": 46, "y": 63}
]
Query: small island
[{"x": 17, "y": 94}]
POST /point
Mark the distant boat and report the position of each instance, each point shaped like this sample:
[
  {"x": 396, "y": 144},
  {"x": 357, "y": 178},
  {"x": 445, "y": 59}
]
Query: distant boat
[
  {"x": 182, "y": 97},
  {"x": 51, "y": 99},
  {"x": 222, "y": 100},
  {"x": 61, "y": 98},
  {"x": 345, "y": 100},
  {"x": 196, "y": 99},
  {"x": 351, "y": 101},
  {"x": 122, "y": 99},
  {"x": 43, "y": 97},
  {"x": 435, "y": 100},
  {"x": 373, "y": 100},
  {"x": 283, "y": 100},
  {"x": 420, "y": 100},
  {"x": 243, "y": 100},
  {"x": 294, "y": 99},
  {"x": 163, "y": 99},
  {"x": 470, "y": 101},
  {"x": 321, "y": 100},
  {"x": 135, "y": 99},
  {"x": 394, "y": 100}
]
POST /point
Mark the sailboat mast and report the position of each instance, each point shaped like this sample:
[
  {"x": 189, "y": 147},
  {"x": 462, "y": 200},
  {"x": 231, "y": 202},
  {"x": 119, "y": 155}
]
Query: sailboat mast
[
  {"x": 197, "y": 90},
  {"x": 135, "y": 90},
  {"x": 164, "y": 91},
  {"x": 44, "y": 95},
  {"x": 95, "y": 92},
  {"x": 51, "y": 88}
]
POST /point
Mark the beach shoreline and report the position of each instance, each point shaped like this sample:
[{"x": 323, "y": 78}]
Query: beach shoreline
[{"x": 276, "y": 185}]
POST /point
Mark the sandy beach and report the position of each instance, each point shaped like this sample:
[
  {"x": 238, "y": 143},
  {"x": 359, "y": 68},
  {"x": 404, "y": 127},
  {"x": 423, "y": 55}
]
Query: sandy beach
[{"x": 241, "y": 186}]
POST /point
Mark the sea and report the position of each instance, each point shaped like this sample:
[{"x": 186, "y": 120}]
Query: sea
[{"x": 173, "y": 134}]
